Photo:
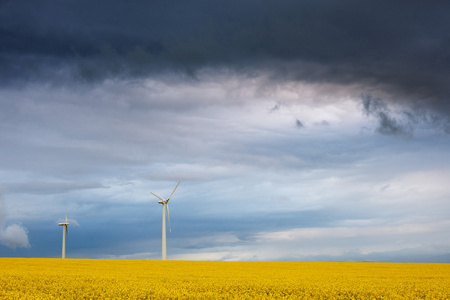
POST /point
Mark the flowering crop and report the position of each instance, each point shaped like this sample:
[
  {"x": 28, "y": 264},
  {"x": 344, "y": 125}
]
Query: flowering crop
[{"x": 40, "y": 278}]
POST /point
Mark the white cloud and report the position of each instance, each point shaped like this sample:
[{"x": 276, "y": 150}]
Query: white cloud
[
  {"x": 201, "y": 255},
  {"x": 135, "y": 256},
  {"x": 364, "y": 240},
  {"x": 388, "y": 232},
  {"x": 14, "y": 236}
]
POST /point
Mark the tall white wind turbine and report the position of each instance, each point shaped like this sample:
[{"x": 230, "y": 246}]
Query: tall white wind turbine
[
  {"x": 65, "y": 230},
  {"x": 165, "y": 203}
]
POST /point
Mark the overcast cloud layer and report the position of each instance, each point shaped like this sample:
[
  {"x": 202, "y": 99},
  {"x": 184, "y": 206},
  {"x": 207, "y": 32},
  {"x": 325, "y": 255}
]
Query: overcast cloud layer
[{"x": 300, "y": 130}]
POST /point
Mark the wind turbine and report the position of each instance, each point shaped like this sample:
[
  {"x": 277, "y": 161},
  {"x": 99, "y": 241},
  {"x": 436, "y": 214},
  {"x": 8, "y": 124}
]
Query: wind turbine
[
  {"x": 165, "y": 203},
  {"x": 65, "y": 224}
]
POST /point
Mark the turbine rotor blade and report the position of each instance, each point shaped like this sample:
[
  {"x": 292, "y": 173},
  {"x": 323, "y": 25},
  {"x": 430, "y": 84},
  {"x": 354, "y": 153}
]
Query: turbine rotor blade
[
  {"x": 158, "y": 197},
  {"x": 173, "y": 191},
  {"x": 168, "y": 219}
]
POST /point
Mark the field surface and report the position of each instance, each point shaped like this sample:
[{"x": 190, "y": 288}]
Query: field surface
[{"x": 40, "y": 278}]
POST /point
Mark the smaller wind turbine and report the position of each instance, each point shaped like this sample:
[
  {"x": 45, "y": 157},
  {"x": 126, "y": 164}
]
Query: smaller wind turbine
[
  {"x": 165, "y": 203},
  {"x": 65, "y": 231}
]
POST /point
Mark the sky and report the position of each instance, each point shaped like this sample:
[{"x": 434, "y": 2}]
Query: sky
[{"x": 300, "y": 130}]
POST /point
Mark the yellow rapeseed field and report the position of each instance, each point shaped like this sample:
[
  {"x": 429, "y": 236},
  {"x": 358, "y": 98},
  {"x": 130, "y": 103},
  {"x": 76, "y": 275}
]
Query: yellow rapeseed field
[{"x": 40, "y": 278}]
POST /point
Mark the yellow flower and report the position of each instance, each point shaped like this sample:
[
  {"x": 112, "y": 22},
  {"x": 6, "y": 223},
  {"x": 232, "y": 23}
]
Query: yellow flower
[{"x": 36, "y": 278}]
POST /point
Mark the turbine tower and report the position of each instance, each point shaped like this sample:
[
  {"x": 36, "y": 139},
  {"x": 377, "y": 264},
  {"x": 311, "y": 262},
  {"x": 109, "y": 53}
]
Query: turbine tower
[
  {"x": 65, "y": 224},
  {"x": 165, "y": 203}
]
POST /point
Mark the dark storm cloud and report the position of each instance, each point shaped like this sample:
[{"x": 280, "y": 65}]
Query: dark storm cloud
[
  {"x": 387, "y": 123},
  {"x": 401, "y": 122},
  {"x": 402, "y": 47}
]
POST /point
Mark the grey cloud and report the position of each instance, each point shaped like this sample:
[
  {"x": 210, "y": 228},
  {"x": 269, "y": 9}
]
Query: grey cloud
[
  {"x": 177, "y": 176},
  {"x": 275, "y": 108},
  {"x": 49, "y": 188},
  {"x": 323, "y": 123},
  {"x": 407, "y": 255},
  {"x": 401, "y": 121},
  {"x": 401, "y": 47},
  {"x": 14, "y": 236},
  {"x": 388, "y": 124},
  {"x": 372, "y": 105},
  {"x": 299, "y": 124}
]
